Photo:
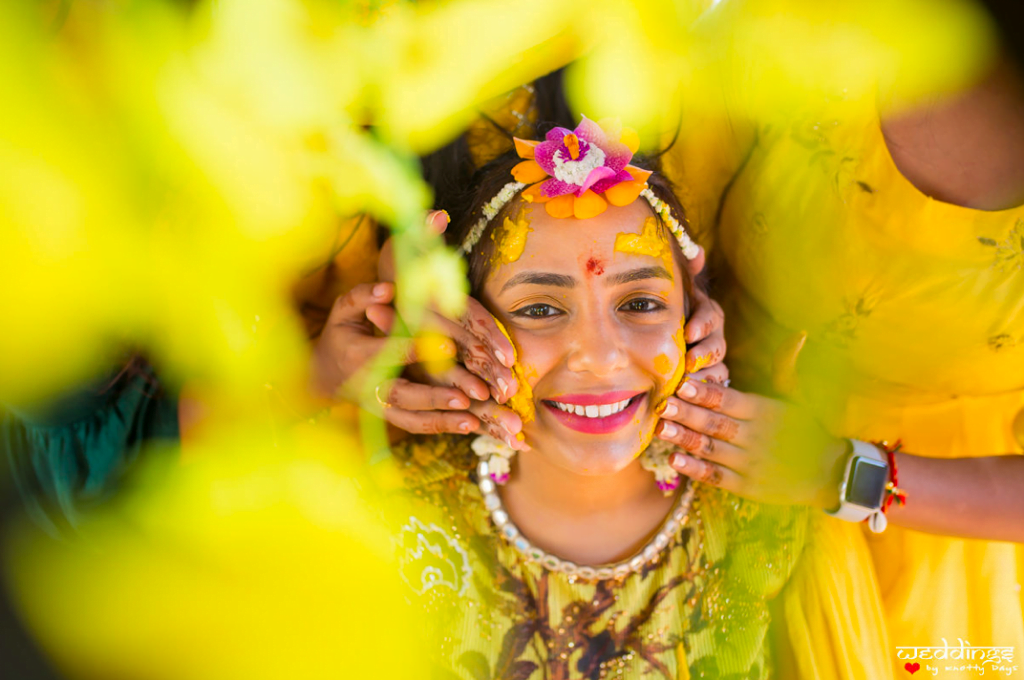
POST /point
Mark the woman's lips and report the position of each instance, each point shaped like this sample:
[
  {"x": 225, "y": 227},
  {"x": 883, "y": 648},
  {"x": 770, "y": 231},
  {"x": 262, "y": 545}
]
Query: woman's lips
[
  {"x": 588, "y": 425},
  {"x": 591, "y": 399}
]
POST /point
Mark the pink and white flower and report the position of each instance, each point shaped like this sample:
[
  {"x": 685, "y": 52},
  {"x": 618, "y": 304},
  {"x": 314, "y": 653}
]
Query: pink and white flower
[{"x": 571, "y": 169}]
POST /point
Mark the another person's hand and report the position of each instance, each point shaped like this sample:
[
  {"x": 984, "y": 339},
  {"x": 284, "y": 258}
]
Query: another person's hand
[
  {"x": 461, "y": 400},
  {"x": 456, "y": 401},
  {"x": 482, "y": 373},
  {"x": 758, "y": 448},
  {"x": 705, "y": 334},
  {"x": 483, "y": 350}
]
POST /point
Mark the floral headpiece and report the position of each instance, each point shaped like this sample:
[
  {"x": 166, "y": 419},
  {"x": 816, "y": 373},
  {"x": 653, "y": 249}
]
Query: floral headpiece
[{"x": 577, "y": 173}]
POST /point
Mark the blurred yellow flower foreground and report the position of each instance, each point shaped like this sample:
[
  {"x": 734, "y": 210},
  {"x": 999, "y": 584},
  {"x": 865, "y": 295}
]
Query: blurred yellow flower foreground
[
  {"x": 168, "y": 173},
  {"x": 243, "y": 562}
]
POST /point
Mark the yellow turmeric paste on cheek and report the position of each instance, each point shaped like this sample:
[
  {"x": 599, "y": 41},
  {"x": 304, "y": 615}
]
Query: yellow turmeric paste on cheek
[
  {"x": 680, "y": 339},
  {"x": 662, "y": 364},
  {"x": 700, "y": 362},
  {"x": 650, "y": 241},
  {"x": 522, "y": 402},
  {"x": 510, "y": 240},
  {"x": 680, "y": 370}
]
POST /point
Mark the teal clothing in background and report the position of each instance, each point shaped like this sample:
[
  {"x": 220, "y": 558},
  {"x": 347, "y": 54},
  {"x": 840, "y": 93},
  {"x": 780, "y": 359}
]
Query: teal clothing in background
[{"x": 70, "y": 456}]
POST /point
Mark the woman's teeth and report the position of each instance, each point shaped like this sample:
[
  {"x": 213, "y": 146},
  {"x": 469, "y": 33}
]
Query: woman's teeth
[{"x": 594, "y": 410}]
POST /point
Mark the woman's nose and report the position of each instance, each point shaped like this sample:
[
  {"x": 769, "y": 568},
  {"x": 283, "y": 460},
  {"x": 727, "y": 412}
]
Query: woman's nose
[{"x": 596, "y": 347}]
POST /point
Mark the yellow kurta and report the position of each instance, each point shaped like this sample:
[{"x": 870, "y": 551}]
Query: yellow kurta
[{"x": 914, "y": 310}]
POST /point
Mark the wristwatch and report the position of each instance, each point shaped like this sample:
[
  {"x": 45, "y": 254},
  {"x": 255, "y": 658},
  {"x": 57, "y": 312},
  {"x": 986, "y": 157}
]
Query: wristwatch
[{"x": 863, "y": 488}]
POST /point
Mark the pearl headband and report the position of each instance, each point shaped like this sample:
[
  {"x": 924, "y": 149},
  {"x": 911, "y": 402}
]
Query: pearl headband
[{"x": 510, "y": 190}]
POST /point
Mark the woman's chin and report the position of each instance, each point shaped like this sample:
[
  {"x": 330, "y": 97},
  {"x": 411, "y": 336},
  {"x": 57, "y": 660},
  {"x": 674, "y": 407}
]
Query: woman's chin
[
  {"x": 593, "y": 461},
  {"x": 603, "y": 455}
]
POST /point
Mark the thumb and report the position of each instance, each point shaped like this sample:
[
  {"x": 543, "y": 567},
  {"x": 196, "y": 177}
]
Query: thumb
[
  {"x": 784, "y": 373},
  {"x": 438, "y": 220},
  {"x": 386, "y": 262},
  {"x": 381, "y": 316},
  {"x": 351, "y": 307}
]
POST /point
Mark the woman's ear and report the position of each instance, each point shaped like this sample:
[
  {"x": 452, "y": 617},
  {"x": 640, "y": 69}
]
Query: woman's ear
[{"x": 696, "y": 265}]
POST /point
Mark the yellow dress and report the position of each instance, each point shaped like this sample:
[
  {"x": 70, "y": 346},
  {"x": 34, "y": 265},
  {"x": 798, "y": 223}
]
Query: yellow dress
[
  {"x": 914, "y": 311},
  {"x": 701, "y": 612}
]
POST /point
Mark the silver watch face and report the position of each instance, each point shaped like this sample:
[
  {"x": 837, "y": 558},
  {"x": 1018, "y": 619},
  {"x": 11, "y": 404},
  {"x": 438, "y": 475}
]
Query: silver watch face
[{"x": 866, "y": 484}]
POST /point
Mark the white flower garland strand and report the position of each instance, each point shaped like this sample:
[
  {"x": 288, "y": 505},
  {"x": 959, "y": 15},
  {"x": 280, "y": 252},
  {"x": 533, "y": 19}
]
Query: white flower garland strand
[
  {"x": 491, "y": 210},
  {"x": 509, "y": 191},
  {"x": 654, "y": 459},
  {"x": 690, "y": 249},
  {"x": 497, "y": 454}
]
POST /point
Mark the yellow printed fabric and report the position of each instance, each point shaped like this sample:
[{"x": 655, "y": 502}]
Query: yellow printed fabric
[
  {"x": 914, "y": 311},
  {"x": 701, "y": 612}
]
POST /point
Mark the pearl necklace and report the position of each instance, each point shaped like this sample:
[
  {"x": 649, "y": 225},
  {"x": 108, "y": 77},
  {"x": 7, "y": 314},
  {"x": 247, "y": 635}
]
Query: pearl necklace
[{"x": 650, "y": 553}]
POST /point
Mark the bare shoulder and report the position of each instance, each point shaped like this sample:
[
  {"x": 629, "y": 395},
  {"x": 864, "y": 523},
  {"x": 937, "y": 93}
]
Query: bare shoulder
[{"x": 967, "y": 149}]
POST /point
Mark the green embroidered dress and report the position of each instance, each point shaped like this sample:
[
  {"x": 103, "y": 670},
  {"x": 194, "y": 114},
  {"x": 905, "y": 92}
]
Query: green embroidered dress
[{"x": 701, "y": 611}]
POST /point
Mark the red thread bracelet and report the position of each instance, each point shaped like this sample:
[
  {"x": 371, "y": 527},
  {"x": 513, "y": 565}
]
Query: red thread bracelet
[{"x": 892, "y": 490}]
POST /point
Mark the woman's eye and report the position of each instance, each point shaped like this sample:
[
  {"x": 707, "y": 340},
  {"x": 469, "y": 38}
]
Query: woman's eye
[
  {"x": 536, "y": 311},
  {"x": 642, "y": 305}
]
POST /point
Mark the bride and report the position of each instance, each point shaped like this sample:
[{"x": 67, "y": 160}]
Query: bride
[{"x": 580, "y": 552}]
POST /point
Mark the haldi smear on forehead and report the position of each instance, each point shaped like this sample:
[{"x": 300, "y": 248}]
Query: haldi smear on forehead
[
  {"x": 522, "y": 402},
  {"x": 510, "y": 240},
  {"x": 650, "y": 241}
]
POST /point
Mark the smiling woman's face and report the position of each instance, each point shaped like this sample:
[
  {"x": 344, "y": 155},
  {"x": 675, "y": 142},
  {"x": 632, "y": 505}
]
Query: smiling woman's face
[{"x": 597, "y": 314}]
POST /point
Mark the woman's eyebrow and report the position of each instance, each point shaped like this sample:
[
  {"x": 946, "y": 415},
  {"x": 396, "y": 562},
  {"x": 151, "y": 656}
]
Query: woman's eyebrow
[
  {"x": 639, "y": 275},
  {"x": 540, "y": 279}
]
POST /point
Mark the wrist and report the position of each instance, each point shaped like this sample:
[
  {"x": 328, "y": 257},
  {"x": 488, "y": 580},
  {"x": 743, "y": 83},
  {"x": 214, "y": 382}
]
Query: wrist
[
  {"x": 324, "y": 379},
  {"x": 894, "y": 495},
  {"x": 836, "y": 453},
  {"x": 863, "y": 489}
]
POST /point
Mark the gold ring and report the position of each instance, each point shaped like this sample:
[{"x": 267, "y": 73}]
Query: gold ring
[{"x": 376, "y": 393}]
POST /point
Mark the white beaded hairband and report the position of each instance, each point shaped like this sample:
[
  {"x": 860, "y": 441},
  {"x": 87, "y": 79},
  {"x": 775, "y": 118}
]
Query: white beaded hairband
[
  {"x": 690, "y": 249},
  {"x": 491, "y": 210},
  {"x": 510, "y": 190}
]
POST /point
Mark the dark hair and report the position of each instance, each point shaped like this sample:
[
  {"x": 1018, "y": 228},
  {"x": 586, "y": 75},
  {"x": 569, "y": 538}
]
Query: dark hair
[
  {"x": 1008, "y": 18},
  {"x": 462, "y": 189},
  {"x": 451, "y": 172},
  {"x": 489, "y": 180}
]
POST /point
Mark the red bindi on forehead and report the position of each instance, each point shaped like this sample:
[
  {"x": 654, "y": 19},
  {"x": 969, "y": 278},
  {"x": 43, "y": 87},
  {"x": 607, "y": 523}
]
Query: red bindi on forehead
[{"x": 595, "y": 266}]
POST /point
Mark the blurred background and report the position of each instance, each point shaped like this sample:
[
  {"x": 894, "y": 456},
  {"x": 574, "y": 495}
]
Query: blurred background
[{"x": 178, "y": 180}]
